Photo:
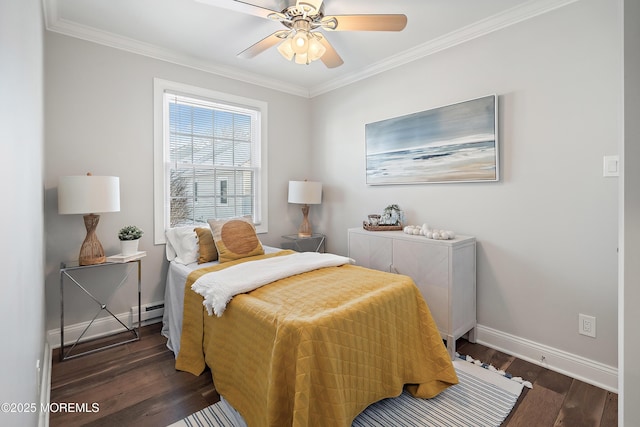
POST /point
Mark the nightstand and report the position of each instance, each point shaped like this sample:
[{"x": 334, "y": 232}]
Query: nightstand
[
  {"x": 67, "y": 271},
  {"x": 314, "y": 243}
]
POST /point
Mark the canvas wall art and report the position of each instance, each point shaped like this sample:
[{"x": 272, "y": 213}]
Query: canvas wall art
[{"x": 455, "y": 143}]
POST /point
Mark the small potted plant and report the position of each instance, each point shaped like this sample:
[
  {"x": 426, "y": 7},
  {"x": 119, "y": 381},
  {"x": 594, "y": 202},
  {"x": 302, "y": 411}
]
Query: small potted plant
[{"x": 129, "y": 237}]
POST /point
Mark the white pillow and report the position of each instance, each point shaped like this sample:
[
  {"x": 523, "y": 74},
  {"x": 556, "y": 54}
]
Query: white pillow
[
  {"x": 169, "y": 251},
  {"x": 182, "y": 244}
]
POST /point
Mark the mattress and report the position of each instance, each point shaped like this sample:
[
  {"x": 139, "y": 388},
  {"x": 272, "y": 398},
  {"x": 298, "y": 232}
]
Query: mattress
[{"x": 316, "y": 348}]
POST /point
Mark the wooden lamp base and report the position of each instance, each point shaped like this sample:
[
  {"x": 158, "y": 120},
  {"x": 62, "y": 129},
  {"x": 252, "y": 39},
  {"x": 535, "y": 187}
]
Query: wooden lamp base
[
  {"x": 305, "y": 227},
  {"x": 91, "y": 251}
]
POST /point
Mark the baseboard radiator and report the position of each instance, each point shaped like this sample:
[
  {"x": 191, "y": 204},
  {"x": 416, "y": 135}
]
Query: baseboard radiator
[{"x": 150, "y": 311}]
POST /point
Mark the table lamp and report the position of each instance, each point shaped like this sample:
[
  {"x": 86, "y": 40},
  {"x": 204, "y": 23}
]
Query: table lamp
[
  {"x": 88, "y": 194},
  {"x": 305, "y": 193}
]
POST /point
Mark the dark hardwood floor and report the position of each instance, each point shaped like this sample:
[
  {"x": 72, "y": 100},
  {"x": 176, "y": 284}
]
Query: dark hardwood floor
[
  {"x": 555, "y": 399},
  {"x": 136, "y": 385}
]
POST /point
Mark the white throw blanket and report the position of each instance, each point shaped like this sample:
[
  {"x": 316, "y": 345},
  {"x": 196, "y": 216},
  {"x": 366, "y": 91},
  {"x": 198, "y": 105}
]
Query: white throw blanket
[{"x": 218, "y": 287}]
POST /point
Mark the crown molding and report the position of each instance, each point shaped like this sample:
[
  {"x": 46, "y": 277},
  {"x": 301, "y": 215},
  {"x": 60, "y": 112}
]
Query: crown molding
[
  {"x": 58, "y": 25},
  {"x": 486, "y": 26}
]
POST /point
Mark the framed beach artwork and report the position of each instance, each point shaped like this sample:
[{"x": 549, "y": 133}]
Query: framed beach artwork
[{"x": 455, "y": 143}]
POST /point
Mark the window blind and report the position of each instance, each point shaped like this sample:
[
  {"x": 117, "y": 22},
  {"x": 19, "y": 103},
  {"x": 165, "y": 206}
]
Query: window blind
[{"x": 214, "y": 160}]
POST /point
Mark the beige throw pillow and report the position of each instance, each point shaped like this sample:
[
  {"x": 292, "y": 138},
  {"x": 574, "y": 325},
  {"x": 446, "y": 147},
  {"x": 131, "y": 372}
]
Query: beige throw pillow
[{"x": 208, "y": 250}]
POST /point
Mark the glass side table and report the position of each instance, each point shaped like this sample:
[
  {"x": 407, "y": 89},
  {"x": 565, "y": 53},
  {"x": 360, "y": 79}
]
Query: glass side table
[
  {"x": 314, "y": 243},
  {"x": 66, "y": 272}
]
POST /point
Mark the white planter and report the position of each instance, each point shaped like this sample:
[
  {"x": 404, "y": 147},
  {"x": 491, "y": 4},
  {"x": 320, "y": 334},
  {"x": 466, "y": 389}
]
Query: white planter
[{"x": 129, "y": 247}]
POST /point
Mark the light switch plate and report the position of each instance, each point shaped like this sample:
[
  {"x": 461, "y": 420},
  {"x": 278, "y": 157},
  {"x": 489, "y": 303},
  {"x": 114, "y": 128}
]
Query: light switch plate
[{"x": 611, "y": 166}]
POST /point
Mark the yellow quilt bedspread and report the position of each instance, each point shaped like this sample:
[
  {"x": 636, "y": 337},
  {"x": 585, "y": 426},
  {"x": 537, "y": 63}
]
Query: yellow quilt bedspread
[{"x": 317, "y": 348}]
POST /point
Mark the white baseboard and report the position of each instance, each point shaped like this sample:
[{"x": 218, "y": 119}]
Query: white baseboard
[
  {"x": 101, "y": 327},
  {"x": 45, "y": 386},
  {"x": 578, "y": 367}
]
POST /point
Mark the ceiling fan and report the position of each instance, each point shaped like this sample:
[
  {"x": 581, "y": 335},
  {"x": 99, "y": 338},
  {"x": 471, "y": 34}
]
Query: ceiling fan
[{"x": 302, "y": 41}]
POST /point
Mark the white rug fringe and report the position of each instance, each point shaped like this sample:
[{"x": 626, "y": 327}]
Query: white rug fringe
[{"x": 494, "y": 369}]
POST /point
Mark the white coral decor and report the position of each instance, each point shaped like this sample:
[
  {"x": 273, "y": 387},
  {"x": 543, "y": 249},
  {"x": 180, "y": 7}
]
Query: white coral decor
[{"x": 424, "y": 230}]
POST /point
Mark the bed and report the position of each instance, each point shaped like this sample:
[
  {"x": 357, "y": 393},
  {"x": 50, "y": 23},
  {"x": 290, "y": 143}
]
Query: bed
[
  {"x": 177, "y": 274},
  {"x": 315, "y": 348}
]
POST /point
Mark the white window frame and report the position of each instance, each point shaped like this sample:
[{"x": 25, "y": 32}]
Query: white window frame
[{"x": 161, "y": 205}]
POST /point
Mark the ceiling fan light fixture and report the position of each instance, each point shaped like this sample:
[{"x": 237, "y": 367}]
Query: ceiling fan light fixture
[
  {"x": 302, "y": 59},
  {"x": 300, "y": 42},
  {"x": 316, "y": 49},
  {"x": 286, "y": 50},
  {"x": 305, "y": 52}
]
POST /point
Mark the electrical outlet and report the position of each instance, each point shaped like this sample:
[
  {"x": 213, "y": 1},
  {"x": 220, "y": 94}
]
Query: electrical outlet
[{"x": 587, "y": 325}]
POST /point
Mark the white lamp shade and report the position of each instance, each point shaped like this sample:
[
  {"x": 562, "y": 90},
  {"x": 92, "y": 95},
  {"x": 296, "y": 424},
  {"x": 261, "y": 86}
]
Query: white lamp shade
[
  {"x": 86, "y": 194},
  {"x": 305, "y": 192}
]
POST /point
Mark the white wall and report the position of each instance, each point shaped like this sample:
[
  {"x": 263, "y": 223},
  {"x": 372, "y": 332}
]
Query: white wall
[
  {"x": 21, "y": 218},
  {"x": 547, "y": 232},
  {"x": 99, "y": 109},
  {"x": 629, "y": 411}
]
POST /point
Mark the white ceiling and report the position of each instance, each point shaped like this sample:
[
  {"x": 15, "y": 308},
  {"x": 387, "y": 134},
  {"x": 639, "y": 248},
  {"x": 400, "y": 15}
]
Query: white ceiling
[{"x": 209, "y": 36}]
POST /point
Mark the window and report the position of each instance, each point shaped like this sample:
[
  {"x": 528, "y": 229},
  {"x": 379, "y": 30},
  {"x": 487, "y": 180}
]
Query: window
[{"x": 209, "y": 157}]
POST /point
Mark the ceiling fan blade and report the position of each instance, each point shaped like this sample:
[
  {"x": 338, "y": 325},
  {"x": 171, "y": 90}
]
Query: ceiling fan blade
[
  {"x": 393, "y": 22},
  {"x": 240, "y": 6},
  {"x": 309, "y": 5},
  {"x": 264, "y": 44},
  {"x": 330, "y": 58}
]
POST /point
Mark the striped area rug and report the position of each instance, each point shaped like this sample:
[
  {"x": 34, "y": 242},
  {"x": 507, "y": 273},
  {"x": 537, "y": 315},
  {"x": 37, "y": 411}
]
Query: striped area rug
[{"x": 481, "y": 399}]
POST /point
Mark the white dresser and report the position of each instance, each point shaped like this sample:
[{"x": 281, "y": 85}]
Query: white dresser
[{"x": 443, "y": 270}]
